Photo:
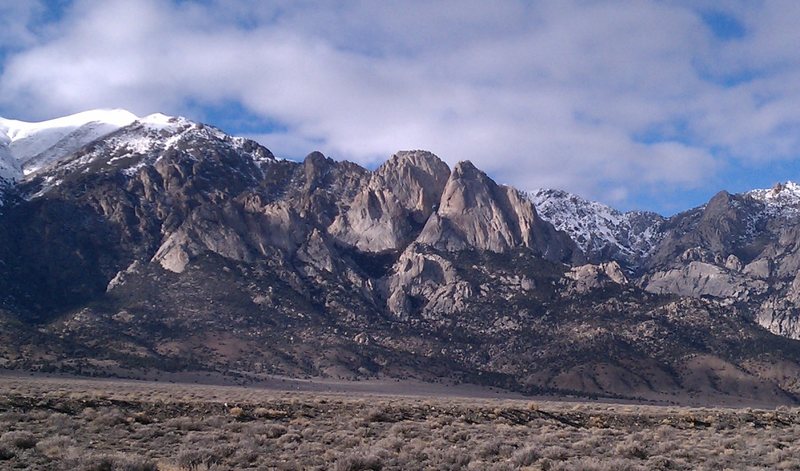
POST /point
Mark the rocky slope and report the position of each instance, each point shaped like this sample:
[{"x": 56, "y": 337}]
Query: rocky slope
[
  {"x": 601, "y": 232},
  {"x": 169, "y": 244},
  {"x": 737, "y": 248}
]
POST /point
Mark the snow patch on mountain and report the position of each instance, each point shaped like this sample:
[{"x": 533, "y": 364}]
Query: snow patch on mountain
[
  {"x": 149, "y": 135},
  {"x": 599, "y": 230},
  {"x": 144, "y": 142},
  {"x": 782, "y": 200},
  {"x": 9, "y": 167},
  {"x": 148, "y": 138},
  {"x": 27, "y": 147}
]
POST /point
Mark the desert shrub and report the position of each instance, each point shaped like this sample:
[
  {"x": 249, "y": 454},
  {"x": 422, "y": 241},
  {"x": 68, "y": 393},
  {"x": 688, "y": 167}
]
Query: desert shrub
[
  {"x": 448, "y": 459},
  {"x": 266, "y": 413},
  {"x": 60, "y": 423},
  {"x": 290, "y": 437},
  {"x": 5, "y": 452},
  {"x": 595, "y": 464},
  {"x": 55, "y": 447},
  {"x": 392, "y": 444},
  {"x": 556, "y": 453},
  {"x": 660, "y": 463},
  {"x": 359, "y": 461},
  {"x": 525, "y": 456},
  {"x": 185, "y": 423},
  {"x": 378, "y": 414},
  {"x": 108, "y": 418},
  {"x": 113, "y": 462},
  {"x": 141, "y": 418},
  {"x": 273, "y": 430},
  {"x": 19, "y": 439},
  {"x": 215, "y": 421},
  {"x": 631, "y": 449},
  {"x": 454, "y": 435},
  {"x": 245, "y": 453},
  {"x": 13, "y": 417},
  {"x": 203, "y": 458},
  {"x": 404, "y": 430},
  {"x": 490, "y": 448}
]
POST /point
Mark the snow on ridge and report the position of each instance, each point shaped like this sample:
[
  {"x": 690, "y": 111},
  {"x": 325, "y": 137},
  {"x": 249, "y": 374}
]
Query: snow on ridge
[
  {"x": 781, "y": 194},
  {"x": 596, "y": 227},
  {"x": 27, "y": 148},
  {"x": 783, "y": 199},
  {"x": 35, "y": 145},
  {"x": 144, "y": 141},
  {"x": 116, "y": 139},
  {"x": 9, "y": 167},
  {"x": 160, "y": 121},
  {"x": 16, "y": 130}
]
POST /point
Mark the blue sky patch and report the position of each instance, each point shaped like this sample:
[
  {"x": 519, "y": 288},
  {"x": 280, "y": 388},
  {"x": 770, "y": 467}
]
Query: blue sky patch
[{"x": 723, "y": 25}]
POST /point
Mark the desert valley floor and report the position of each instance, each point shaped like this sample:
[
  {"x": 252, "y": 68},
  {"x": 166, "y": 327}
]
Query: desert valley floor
[{"x": 52, "y": 423}]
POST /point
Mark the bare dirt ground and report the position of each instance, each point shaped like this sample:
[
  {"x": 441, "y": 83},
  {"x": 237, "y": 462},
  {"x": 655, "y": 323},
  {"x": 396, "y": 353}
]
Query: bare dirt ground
[{"x": 59, "y": 423}]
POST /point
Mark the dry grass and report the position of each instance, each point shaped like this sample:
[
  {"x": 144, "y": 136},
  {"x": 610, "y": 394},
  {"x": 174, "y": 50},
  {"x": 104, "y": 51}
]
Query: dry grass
[{"x": 88, "y": 425}]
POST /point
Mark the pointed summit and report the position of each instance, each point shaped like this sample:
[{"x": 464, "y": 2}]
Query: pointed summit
[
  {"x": 475, "y": 212},
  {"x": 417, "y": 178},
  {"x": 389, "y": 212}
]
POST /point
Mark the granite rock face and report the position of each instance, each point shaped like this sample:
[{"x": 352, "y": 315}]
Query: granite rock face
[
  {"x": 589, "y": 277},
  {"x": 475, "y": 212},
  {"x": 389, "y": 212}
]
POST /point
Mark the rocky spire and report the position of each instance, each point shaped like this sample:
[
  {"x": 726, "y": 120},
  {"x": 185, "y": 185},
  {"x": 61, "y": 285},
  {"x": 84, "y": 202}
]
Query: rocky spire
[
  {"x": 475, "y": 212},
  {"x": 400, "y": 196}
]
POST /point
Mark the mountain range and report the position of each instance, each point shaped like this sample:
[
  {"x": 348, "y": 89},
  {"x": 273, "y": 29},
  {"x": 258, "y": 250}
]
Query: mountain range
[{"x": 132, "y": 244}]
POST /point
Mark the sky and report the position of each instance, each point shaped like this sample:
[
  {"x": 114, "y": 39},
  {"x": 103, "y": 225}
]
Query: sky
[{"x": 653, "y": 105}]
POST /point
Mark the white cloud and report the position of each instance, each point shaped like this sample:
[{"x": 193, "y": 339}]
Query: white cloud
[
  {"x": 589, "y": 96},
  {"x": 15, "y": 21}
]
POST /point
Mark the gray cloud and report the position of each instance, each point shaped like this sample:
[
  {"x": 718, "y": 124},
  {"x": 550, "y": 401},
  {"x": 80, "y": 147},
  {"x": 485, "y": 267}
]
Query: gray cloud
[{"x": 606, "y": 98}]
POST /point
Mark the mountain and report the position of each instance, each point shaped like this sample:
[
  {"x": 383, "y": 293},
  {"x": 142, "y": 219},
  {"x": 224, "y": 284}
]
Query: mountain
[
  {"x": 28, "y": 147},
  {"x": 601, "y": 232},
  {"x": 738, "y": 248},
  {"x": 167, "y": 244}
]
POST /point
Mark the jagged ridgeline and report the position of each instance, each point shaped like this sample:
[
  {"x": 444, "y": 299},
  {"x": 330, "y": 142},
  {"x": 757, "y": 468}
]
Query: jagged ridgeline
[{"x": 129, "y": 244}]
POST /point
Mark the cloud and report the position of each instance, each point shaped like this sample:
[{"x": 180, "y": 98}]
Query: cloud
[
  {"x": 608, "y": 99},
  {"x": 15, "y": 23}
]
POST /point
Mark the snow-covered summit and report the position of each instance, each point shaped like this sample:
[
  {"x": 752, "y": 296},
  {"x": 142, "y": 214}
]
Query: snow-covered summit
[
  {"x": 143, "y": 142},
  {"x": 112, "y": 140},
  {"x": 26, "y": 147},
  {"x": 599, "y": 230},
  {"x": 140, "y": 143},
  {"x": 782, "y": 199}
]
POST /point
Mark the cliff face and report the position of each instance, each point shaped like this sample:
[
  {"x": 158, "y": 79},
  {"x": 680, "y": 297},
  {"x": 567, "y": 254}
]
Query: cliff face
[
  {"x": 398, "y": 199},
  {"x": 475, "y": 212},
  {"x": 169, "y": 244}
]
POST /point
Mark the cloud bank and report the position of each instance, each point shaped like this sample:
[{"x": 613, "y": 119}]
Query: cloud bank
[{"x": 612, "y": 100}]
